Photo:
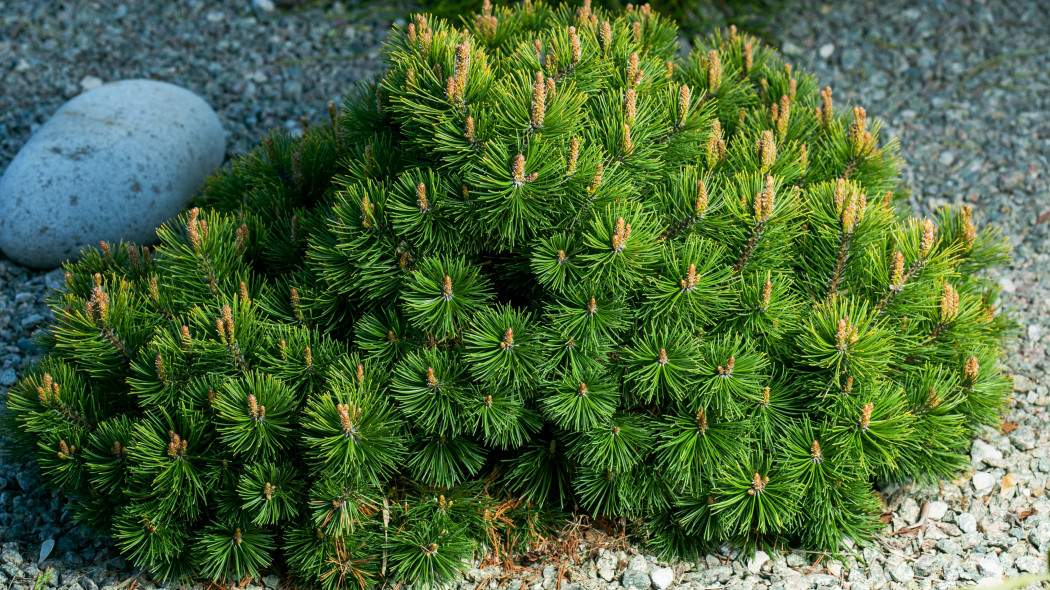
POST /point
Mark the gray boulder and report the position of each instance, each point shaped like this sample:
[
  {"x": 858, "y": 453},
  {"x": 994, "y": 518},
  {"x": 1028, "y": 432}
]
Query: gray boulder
[{"x": 111, "y": 164}]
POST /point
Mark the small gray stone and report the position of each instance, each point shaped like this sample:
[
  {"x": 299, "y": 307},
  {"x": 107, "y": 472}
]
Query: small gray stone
[
  {"x": 984, "y": 452},
  {"x": 826, "y": 50},
  {"x": 1030, "y": 564},
  {"x": 754, "y": 565},
  {"x": 989, "y": 565},
  {"x": 936, "y": 510},
  {"x": 798, "y": 583},
  {"x": 662, "y": 577},
  {"x": 967, "y": 522},
  {"x": 8, "y": 377},
  {"x": 112, "y": 164},
  {"x": 264, "y": 5},
  {"x": 606, "y": 565},
  {"x": 796, "y": 559},
  {"x": 1040, "y": 537},
  {"x": 45, "y": 549},
  {"x": 901, "y": 572},
  {"x": 11, "y": 556},
  {"x": 983, "y": 482},
  {"x": 271, "y": 581},
  {"x": 88, "y": 584},
  {"x": 633, "y": 578}
]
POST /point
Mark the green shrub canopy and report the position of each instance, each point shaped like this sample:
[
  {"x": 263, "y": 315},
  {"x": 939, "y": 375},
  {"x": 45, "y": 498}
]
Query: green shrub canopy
[{"x": 544, "y": 264}]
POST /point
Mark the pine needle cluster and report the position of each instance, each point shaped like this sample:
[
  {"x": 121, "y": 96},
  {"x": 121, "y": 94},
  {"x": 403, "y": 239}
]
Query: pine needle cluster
[{"x": 543, "y": 264}]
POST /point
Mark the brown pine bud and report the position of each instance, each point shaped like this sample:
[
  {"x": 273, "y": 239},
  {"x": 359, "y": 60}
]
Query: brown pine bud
[
  {"x": 865, "y": 416},
  {"x": 661, "y": 359},
  {"x": 462, "y": 67},
  {"x": 928, "y": 237},
  {"x": 237, "y": 539},
  {"x": 949, "y": 309},
  {"x": 592, "y": 306},
  {"x": 606, "y": 37},
  {"x": 859, "y": 138},
  {"x": 469, "y": 133},
  {"x": 518, "y": 170},
  {"x": 344, "y": 419},
  {"x": 621, "y": 234},
  {"x": 815, "y": 454},
  {"x": 765, "y": 397},
  {"x": 268, "y": 489},
  {"x": 574, "y": 155},
  {"x": 716, "y": 146},
  {"x": 633, "y": 70},
  {"x": 767, "y": 150},
  {"x": 846, "y": 335},
  {"x": 227, "y": 321},
  {"x": 690, "y": 281},
  {"x": 758, "y": 485},
  {"x": 193, "y": 229},
  {"x": 582, "y": 390},
  {"x": 562, "y": 257},
  {"x": 162, "y": 374},
  {"x": 970, "y": 371},
  {"x": 684, "y": 96},
  {"x": 767, "y": 294},
  {"x": 701, "y": 422},
  {"x": 241, "y": 241},
  {"x": 749, "y": 58},
  {"x": 597, "y": 180},
  {"x": 432, "y": 381},
  {"x": 253, "y": 407},
  {"x": 309, "y": 358},
  {"x": 575, "y": 48},
  {"x": 783, "y": 116},
  {"x": 969, "y": 230},
  {"x": 630, "y": 105},
  {"x": 701, "y": 199},
  {"x": 539, "y": 101},
  {"x": 826, "y": 113},
  {"x": 714, "y": 71},
  {"x": 508, "y": 339},
  {"x": 897, "y": 272},
  {"x": 446, "y": 289},
  {"x": 627, "y": 146},
  {"x": 636, "y": 32}
]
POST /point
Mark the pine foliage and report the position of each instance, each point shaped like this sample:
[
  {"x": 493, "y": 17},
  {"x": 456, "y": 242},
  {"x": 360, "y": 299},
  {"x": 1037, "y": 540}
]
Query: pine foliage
[{"x": 545, "y": 263}]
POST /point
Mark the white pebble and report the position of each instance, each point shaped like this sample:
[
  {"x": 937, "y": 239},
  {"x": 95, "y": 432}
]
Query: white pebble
[
  {"x": 937, "y": 510},
  {"x": 1034, "y": 332},
  {"x": 662, "y": 577},
  {"x": 263, "y": 5},
  {"x": 984, "y": 452},
  {"x": 946, "y": 158},
  {"x": 983, "y": 482},
  {"x": 826, "y": 50},
  {"x": 754, "y": 565},
  {"x": 989, "y": 565},
  {"x": 967, "y": 522}
]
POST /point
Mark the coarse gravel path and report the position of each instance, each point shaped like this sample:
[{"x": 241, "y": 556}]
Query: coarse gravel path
[{"x": 964, "y": 86}]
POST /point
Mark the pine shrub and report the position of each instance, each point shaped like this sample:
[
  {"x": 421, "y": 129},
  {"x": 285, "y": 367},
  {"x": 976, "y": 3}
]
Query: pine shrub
[{"x": 544, "y": 264}]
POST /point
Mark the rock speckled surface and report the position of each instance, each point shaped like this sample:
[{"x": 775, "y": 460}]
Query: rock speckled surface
[{"x": 112, "y": 164}]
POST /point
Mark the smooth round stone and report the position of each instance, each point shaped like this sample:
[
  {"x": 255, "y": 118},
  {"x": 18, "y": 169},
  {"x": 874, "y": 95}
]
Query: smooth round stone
[{"x": 112, "y": 164}]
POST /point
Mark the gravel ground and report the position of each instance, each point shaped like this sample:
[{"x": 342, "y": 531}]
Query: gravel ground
[{"x": 962, "y": 84}]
